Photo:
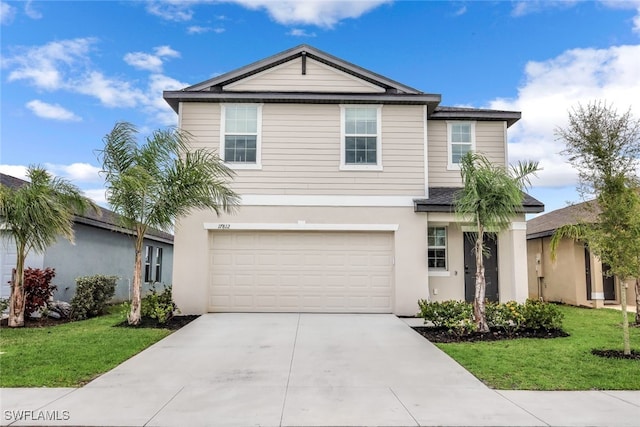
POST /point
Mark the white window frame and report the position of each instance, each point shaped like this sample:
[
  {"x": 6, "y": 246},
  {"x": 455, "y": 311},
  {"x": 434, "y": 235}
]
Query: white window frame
[
  {"x": 445, "y": 247},
  {"x": 472, "y": 130},
  {"x": 343, "y": 135},
  {"x": 237, "y": 165}
]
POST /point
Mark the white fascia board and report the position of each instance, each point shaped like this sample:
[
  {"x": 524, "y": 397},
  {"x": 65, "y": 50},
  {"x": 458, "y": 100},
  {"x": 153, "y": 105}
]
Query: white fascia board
[
  {"x": 299, "y": 226},
  {"x": 326, "y": 200}
]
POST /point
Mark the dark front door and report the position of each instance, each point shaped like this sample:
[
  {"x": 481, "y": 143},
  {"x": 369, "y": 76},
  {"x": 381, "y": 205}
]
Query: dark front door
[
  {"x": 587, "y": 267},
  {"x": 608, "y": 284},
  {"x": 490, "y": 266}
]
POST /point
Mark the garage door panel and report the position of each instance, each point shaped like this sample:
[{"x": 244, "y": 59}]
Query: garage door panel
[{"x": 301, "y": 271}]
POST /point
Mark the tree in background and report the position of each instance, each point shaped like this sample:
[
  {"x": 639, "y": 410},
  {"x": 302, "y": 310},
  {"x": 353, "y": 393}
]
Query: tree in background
[
  {"x": 490, "y": 200},
  {"x": 33, "y": 216},
  {"x": 605, "y": 149},
  {"x": 152, "y": 185}
]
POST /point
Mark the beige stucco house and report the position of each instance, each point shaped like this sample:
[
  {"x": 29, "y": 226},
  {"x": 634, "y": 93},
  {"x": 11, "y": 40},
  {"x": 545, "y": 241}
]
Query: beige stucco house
[
  {"x": 347, "y": 181},
  {"x": 576, "y": 277}
]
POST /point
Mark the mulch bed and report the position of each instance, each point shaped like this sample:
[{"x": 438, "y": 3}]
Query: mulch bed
[
  {"x": 617, "y": 354},
  {"x": 173, "y": 324},
  {"x": 443, "y": 335}
]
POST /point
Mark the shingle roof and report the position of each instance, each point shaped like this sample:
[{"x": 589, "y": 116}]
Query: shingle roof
[
  {"x": 442, "y": 199},
  {"x": 545, "y": 225},
  {"x": 464, "y": 113},
  {"x": 104, "y": 218}
]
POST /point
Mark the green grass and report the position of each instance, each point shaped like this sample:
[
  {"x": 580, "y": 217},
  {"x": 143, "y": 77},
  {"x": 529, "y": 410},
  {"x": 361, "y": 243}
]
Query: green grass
[
  {"x": 70, "y": 354},
  {"x": 558, "y": 363}
]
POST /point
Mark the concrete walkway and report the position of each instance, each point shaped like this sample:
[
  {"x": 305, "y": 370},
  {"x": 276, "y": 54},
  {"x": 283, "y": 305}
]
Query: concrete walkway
[{"x": 304, "y": 370}]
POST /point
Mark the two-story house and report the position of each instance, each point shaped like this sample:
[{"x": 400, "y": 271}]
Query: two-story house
[{"x": 347, "y": 181}]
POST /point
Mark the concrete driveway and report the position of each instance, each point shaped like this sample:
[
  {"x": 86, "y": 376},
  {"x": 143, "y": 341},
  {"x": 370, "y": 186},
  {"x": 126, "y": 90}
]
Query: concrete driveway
[{"x": 304, "y": 370}]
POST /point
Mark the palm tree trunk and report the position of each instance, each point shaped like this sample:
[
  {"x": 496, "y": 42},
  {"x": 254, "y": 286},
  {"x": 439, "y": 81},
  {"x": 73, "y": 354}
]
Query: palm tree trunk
[
  {"x": 16, "y": 301},
  {"x": 480, "y": 291},
  {"x": 135, "y": 314}
]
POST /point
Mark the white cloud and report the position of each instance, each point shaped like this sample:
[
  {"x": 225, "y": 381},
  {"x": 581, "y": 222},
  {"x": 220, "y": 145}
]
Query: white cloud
[
  {"x": 17, "y": 171},
  {"x": 171, "y": 10},
  {"x": 151, "y": 62},
  {"x": 83, "y": 172},
  {"x": 551, "y": 88},
  {"x": 7, "y": 13},
  {"x": 31, "y": 11},
  {"x": 154, "y": 102},
  {"x": 51, "y": 111},
  {"x": 320, "y": 13},
  {"x": 98, "y": 195},
  {"x": 297, "y": 32},
  {"x": 44, "y": 66},
  {"x": 110, "y": 91},
  {"x": 144, "y": 61},
  {"x": 526, "y": 7},
  {"x": 461, "y": 11},
  {"x": 196, "y": 29}
]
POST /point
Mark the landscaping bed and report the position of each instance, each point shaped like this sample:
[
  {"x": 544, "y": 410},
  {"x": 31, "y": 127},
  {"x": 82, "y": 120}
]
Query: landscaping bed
[{"x": 444, "y": 335}]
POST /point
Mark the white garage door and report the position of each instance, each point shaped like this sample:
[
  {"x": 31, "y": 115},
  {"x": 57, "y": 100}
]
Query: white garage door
[{"x": 294, "y": 271}]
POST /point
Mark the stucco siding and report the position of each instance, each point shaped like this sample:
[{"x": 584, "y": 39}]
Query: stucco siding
[
  {"x": 301, "y": 151},
  {"x": 192, "y": 263},
  {"x": 318, "y": 77},
  {"x": 99, "y": 251},
  {"x": 490, "y": 140}
]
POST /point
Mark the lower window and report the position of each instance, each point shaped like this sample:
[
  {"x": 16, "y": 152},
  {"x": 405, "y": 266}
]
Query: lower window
[{"x": 437, "y": 248}]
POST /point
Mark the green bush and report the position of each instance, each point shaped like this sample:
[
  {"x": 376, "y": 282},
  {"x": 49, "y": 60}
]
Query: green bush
[
  {"x": 539, "y": 315},
  {"x": 456, "y": 316},
  {"x": 92, "y": 295},
  {"x": 4, "y": 304},
  {"x": 507, "y": 316},
  {"x": 158, "y": 306}
]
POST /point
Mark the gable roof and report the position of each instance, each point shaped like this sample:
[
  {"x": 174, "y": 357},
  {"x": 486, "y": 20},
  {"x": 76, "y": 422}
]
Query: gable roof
[
  {"x": 391, "y": 91},
  {"x": 104, "y": 218},
  {"x": 442, "y": 199},
  {"x": 545, "y": 225}
]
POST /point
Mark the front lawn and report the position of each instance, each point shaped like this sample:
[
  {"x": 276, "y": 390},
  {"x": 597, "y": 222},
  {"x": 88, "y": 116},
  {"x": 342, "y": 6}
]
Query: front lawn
[
  {"x": 557, "y": 363},
  {"x": 70, "y": 354}
]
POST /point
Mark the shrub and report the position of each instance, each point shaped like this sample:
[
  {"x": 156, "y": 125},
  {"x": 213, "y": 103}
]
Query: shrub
[
  {"x": 38, "y": 289},
  {"x": 540, "y": 315},
  {"x": 158, "y": 306},
  {"x": 4, "y": 304},
  {"x": 456, "y": 316},
  {"x": 507, "y": 316},
  {"x": 92, "y": 295}
]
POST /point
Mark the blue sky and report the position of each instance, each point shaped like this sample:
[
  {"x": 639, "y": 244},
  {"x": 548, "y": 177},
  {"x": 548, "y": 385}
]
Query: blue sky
[{"x": 70, "y": 70}]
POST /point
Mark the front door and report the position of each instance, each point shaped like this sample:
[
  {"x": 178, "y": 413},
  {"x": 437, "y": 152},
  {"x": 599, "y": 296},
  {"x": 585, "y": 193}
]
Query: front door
[
  {"x": 587, "y": 271},
  {"x": 490, "y": 266},
  {"x": 608, "y": 284}
]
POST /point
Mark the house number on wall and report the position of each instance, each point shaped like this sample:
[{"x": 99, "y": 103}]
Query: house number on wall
[{"x": 224, "y": 226}]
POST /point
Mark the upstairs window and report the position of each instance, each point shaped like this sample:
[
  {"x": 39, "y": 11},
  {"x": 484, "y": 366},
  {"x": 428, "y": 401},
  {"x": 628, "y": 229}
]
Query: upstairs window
[
  {"x": 461, "y": 140},
  {"x": 437, "y": 248},
  {"x": 361, "y": 139},
  {"x": 240, "y": 141}
]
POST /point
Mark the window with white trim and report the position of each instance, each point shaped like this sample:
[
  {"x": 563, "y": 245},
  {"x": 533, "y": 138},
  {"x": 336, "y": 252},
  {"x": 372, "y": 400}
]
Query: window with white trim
[
  {"x": 461, "y": 139},
  {"x": 158, "y": 265},
  {"x": 240, "y": 139},
  {"x": 361, "y": 137},
  {"x": 437, "y": 248},
  {"x": 148, "y": 254}
]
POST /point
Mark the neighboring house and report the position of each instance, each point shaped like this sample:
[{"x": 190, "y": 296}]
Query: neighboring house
[
  {"x": 576, "y": 277},
  {"x": 347, "y": 181},
  {"x": 101, "y": 247}
]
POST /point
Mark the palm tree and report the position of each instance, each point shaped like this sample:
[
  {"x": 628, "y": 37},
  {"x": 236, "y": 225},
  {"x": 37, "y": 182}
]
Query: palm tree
[
  {"x": 489, "y": 199},
  {"x": 152, "y": 185},
  {"x": 33, "y": 216}
]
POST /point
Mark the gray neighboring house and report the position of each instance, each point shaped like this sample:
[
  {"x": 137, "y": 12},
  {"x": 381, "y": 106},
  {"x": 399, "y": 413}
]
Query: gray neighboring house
[{"x": 101, "y": 247}]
